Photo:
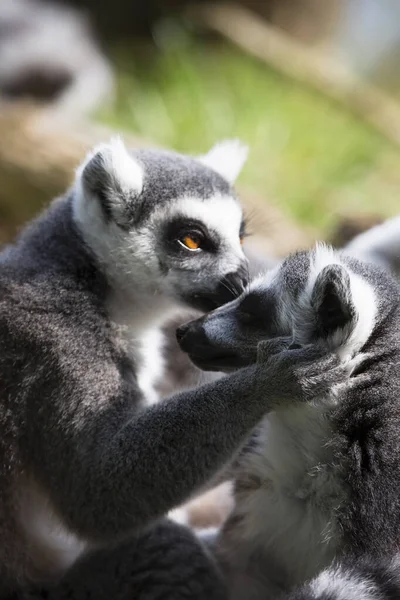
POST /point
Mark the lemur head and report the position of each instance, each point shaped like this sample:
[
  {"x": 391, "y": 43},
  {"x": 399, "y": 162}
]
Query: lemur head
[
  {"x": 165, "y": 224},
  {"x": 315, "y": 296}
]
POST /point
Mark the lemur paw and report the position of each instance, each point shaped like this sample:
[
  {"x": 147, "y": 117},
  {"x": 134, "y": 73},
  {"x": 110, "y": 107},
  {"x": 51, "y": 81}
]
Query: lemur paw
[
  {"x": 358, "y": 376},
  {"x": 299, "y": 373}
]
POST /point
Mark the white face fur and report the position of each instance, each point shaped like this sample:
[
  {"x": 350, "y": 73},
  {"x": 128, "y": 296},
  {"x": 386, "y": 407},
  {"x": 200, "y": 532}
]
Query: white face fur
[{"x": 162, "y": 224}]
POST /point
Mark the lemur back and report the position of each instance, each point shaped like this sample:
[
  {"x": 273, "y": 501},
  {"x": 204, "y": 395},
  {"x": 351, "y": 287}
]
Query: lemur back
[{"x": 317, "y": 486}]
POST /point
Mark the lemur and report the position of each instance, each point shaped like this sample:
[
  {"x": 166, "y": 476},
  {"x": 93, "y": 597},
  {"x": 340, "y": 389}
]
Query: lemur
[
  {"x": 380, "y": 245},
  {"x": 317, "y": 488},
  {"x": 48, "y": 53},
  {"x": 89, "y": 463}
]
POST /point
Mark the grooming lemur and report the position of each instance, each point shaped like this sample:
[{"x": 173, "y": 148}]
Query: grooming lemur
[
  {"x": 48, "y": 53},
  {"x": 317, "y": 488},
  {"x": 88, "y": 464}
]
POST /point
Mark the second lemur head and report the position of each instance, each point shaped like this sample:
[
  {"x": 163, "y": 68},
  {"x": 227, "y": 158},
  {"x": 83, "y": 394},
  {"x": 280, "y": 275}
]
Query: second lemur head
[
  {"x": 318, "y": 296},
  {"x": 165, "y": 224}
]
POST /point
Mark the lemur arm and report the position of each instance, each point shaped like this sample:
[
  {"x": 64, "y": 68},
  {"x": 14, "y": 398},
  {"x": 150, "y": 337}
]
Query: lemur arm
[
  {"x": 110, "y": 467},
  {"x": 124, "y": 468}
]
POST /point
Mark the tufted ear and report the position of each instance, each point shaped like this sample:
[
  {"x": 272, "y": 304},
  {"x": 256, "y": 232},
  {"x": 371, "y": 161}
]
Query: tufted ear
[
  {"x": 226, "y": 158},
  {"x": 112, "y": 177},
  {"x": 331, "y": 298}
]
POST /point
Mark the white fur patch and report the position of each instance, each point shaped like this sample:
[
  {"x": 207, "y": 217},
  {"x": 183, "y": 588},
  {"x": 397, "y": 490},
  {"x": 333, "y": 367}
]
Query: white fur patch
[
  {"x": 365, "y": 303},
  {"x": 322, "y": 257},
  {"x": 363, "y": 297},
  {"x": 125, "y": 257},
  {"x": 222, "y": 214},
  {"x": 179, "y": 515},
  {"x": 120, "y": 165},
  {"x": 151, "y": 364},
  {"x": 295, "y": 506},
  {"x": 106, "y": 239},
  {"x": 227, "y": 158},
  {"x": 337, "y": 583},
  {"x": 53, "y": 548}
]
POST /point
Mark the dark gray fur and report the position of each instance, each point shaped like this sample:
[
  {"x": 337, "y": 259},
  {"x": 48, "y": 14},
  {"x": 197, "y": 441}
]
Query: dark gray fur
[
  {"x": 164, "y": 561},
  {"x": 167, "y": 175}
]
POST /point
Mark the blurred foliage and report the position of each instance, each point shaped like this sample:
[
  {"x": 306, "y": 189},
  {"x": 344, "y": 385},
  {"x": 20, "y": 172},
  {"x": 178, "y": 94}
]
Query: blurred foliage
[{"x": 308, "y": 154}]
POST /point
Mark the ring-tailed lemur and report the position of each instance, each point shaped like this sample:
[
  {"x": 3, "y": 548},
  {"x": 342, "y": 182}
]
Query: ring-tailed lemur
[
  {"x": 317, "y": 489},
  {"x": 88, "y": 466},
  {"x": 48, "y": 53}
]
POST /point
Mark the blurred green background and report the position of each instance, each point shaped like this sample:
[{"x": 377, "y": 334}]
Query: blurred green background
[
  {"x": 179, "y": 86},
  {"x": 312, "y": 157}
]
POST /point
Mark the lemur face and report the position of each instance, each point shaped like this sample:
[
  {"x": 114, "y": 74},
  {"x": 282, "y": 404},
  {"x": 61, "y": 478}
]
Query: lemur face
[
  {"x": 166, "y": 223},
  {"x": 199, "y": 248},
  {"x": 317, "y": 296}
]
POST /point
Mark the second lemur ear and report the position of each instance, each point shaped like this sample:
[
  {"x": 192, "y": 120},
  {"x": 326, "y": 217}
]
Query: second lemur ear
[
  {"x": 226, "y": 158},
  {"x": 112, "y": 177},
  {"x": 331, "y": 299}
]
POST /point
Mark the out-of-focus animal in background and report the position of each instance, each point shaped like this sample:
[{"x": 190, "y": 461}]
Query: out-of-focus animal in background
[{"x": 49, "y": 53}]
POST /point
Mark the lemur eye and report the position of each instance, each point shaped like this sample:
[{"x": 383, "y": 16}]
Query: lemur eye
[{"x": 191, "y": 241}]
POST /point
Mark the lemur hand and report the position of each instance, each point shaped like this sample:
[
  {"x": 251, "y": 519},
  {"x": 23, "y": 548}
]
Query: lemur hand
[{"x": 300, "y": 373}]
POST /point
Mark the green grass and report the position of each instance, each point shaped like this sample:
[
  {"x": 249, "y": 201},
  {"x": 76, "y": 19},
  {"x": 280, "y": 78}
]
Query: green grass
[{"x": 313, "y": 158}]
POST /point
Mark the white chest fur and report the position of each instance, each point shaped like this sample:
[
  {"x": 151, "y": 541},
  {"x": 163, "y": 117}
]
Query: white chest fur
[
  {"x": 138, "y": 329},
  {"x": 51, "y": 547},
  {"x": 289, "y": 515},
  {"x": 151, "y": 364}
]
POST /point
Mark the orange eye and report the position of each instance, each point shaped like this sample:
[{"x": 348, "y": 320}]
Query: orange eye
[{"x": 191, "y": 243}]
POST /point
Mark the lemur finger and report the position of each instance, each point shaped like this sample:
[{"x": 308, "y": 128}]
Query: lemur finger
[
  {"x": 351, "y": 378},
  {"x": 362, "y": 380},
  {"x": 356, "y": 362},
  {"x": 325, "y": 382}
]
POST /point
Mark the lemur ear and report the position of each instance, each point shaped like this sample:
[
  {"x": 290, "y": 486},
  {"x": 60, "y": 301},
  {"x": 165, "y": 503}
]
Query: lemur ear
[
  {"x": 112, "y": 177},
  {"x": 331, "y": 299},
  {"x": 226, "y": 158}
]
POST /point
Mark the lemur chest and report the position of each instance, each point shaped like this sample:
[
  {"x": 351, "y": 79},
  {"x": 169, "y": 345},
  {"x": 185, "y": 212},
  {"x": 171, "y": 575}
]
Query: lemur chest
[
  {"x": 143, "y": 346},
  {"x": 150, "y": 363},
  {"x": 288, "y": 493},
  {"x": 51, "y": 548}
]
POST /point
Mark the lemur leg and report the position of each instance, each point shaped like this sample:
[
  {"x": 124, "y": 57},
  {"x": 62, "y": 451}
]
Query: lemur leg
[{"x": 166, "y": 562}]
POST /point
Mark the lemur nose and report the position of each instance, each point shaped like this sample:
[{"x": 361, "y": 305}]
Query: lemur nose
[
  {"x": 181, "y": 331},
  {"x": 191, "y": 336}
]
